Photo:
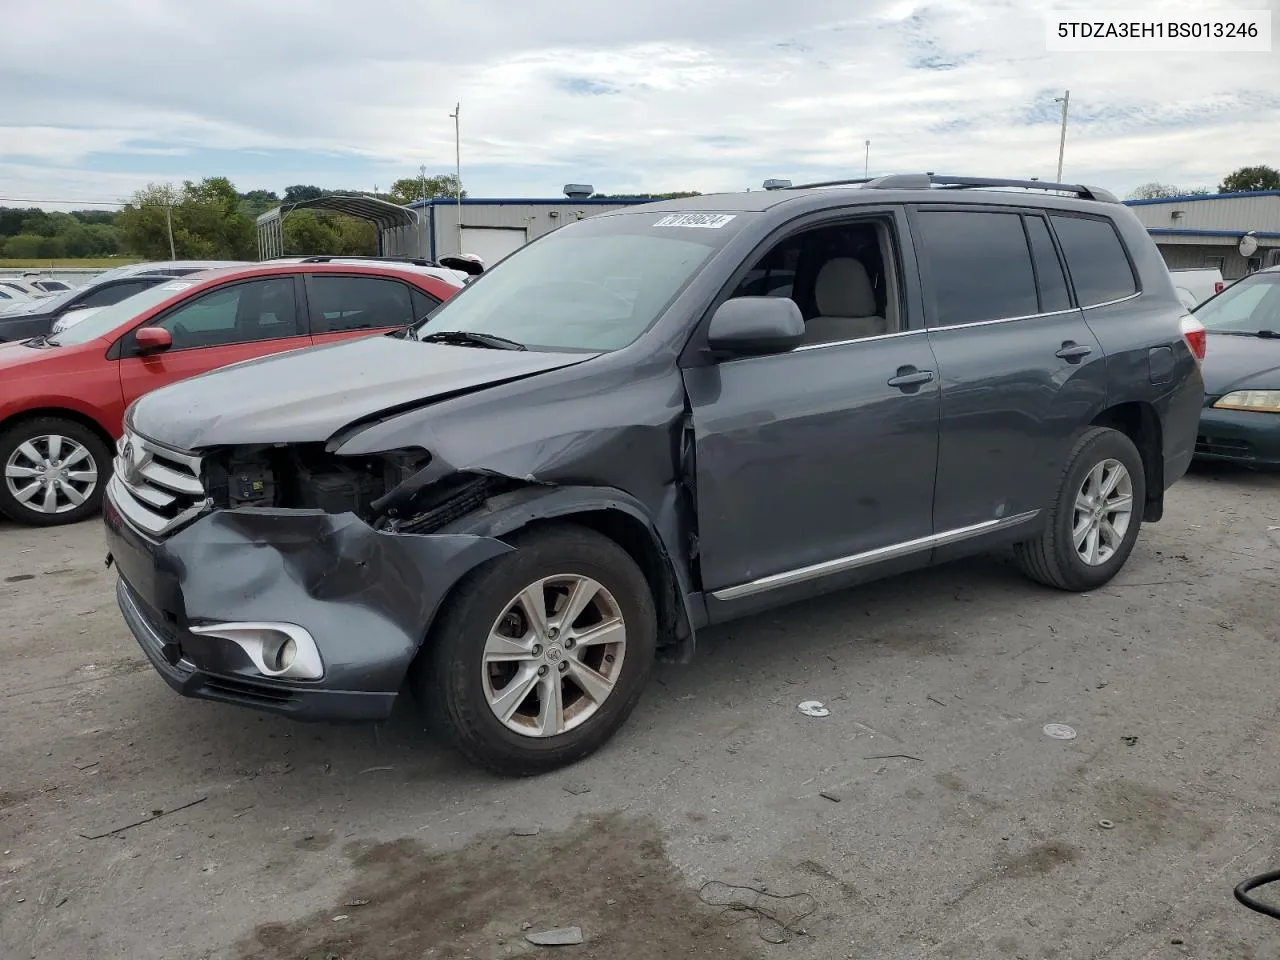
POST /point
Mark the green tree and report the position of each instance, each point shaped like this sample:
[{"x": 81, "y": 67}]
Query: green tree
[
  {"x": 300, "y": 192},
  {"x": 306, "y": 233},
  {"x": 206, "y": 217},
  {"x": 1248, "y": 179},
  {"x": 410, "y": 189},
  {"x": 24, "y": 246},
  {"x": 356, "y": 237}
]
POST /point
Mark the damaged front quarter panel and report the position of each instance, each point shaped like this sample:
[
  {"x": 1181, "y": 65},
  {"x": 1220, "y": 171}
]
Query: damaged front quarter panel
[
  {"x": 364, "y": 594},
  {"x": 613, "y": 456}
]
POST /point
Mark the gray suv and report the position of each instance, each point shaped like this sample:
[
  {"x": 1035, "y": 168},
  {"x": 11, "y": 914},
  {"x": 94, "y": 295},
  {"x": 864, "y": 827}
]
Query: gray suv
[{"x": 649, "y": 422}]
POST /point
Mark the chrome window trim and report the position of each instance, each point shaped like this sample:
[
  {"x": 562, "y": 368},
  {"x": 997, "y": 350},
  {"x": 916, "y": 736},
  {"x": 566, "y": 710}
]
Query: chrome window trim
[
  {"x": 1107, "y": 303},
  {"x": 843, "y": 343},
  {"x": 854, "y": 561}
]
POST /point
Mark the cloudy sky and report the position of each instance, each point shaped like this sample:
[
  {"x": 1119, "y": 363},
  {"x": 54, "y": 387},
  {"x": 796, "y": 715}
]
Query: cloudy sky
[{"x": 98, "y": 98}]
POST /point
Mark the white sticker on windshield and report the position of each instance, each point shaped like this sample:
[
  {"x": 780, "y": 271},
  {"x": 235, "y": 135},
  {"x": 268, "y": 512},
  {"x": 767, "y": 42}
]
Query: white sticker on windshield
[
  {"x": 177, "y": 286},
  {"x": 710, "y": 221}
]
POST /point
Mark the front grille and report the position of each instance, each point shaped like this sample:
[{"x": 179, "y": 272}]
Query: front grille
[
  {"x": 1224, "y": 447},
  {"x": 251, "y": 694},
  {"x": 156, "y": 489}
]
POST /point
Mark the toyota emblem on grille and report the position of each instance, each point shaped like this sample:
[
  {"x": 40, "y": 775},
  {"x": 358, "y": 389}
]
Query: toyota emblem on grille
[{"x": 130, "y": 463}]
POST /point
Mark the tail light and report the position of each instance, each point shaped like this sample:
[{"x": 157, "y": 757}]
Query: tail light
[
  {"x": 1193, "y": 333},
  {"x": 1218, "y": 285}
]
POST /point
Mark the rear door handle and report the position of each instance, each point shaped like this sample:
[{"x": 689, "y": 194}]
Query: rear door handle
[
  {"x": 1073, "y": 352},
  {"x": 908, "y": 377}
]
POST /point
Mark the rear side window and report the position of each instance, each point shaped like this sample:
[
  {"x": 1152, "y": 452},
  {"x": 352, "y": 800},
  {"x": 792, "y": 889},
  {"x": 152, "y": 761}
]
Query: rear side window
[
  {"x": 1096, "y": 259},
  {"x": 1053, "y": 282},
  {"x": 340, "y": 304},
  {"x": 978, "y": 265}
]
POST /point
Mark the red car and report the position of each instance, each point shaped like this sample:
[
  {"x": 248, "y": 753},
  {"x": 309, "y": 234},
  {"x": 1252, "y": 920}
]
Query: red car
[{"x": 62, "y": 397}]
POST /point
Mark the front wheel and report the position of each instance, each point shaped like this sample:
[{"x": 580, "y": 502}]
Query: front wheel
[
  {"x": 539, "y": 655},
  {"x": 52, "y": 471},
  {"x": 1094, "y": 521}
]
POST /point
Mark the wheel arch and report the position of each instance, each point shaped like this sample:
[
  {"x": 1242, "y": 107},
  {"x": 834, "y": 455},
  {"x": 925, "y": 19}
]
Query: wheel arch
[
  {"x": 62, "y": 413},
  {"x": 1140, "y": 422},
  {"x": 614, "y": 514}
]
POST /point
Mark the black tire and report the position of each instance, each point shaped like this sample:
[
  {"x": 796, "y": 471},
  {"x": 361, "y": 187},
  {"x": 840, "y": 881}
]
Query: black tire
[
  {"x": 1051, "y": 558},
  {"x": 449, "y": 676},
  {"x": 25, "y": 431}
]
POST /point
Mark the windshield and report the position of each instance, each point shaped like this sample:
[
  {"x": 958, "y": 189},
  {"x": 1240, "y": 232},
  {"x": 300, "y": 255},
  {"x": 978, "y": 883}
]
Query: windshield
[
  {"x": 106, "y": 319},
  {"x": 593, "y": 285},
  {"x": 1245, "y": 307}
]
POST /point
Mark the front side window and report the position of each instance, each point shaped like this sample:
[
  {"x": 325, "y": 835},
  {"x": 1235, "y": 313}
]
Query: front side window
[
  {"x": 978, "y": 266},
  {"x": 594, "y": 285},
  {"x": 1096, "y": 259},
  {"x": 240, "y": 313}
]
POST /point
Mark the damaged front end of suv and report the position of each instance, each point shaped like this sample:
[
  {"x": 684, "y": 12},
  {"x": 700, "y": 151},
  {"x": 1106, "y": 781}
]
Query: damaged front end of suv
[{"x": 502, "y": 525}]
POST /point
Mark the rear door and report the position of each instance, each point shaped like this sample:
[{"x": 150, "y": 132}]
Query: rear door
[
  {"x": 232, "y": 322},
  {"x": 1021, "y": 371},
  {"x": 340, "y": 306}
]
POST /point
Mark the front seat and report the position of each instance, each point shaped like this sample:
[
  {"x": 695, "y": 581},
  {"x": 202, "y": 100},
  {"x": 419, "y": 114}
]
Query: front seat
[{"x": 846, "y": 304}]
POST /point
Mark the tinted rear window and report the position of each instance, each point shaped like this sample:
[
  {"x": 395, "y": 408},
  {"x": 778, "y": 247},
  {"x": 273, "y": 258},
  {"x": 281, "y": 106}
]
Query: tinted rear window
[
  {"x": 978, "y": 266},
  {"x": 1096, "y": 259},
  {"x": 1053, "y": 282}
]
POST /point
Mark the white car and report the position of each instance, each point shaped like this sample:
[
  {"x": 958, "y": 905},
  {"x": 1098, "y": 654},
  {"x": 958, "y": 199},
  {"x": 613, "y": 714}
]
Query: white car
[
  {"x": 22, "y": 286},
  {"x": 72, "y": 317},
  {"x": 9, "y": 295},
  {"x": 1195, "y": 286}
]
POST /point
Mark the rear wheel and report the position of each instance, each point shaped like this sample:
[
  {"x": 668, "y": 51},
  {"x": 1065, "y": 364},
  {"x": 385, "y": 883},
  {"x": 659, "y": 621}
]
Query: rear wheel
[
  {"x": 1094, "y": 521},
  {"x": 52, "y": 471},
  {"x": 541, "y": 654}
]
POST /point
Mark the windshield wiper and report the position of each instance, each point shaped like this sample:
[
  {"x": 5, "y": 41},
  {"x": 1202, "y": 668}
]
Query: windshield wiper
[{"x": 468, "y": 338}]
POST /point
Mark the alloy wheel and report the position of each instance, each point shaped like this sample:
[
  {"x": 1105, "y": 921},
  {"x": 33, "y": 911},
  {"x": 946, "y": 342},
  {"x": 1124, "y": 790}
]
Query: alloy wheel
[
  {"x": 51, "y": 474},
  {"x": 554, "y": 655},
  {"x": 1103, "y": 512}
]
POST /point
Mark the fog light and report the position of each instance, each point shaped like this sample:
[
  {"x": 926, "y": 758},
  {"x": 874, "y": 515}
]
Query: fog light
[
  {"x": 283, "y": 650},
  {"x": 279, "y": 655}
]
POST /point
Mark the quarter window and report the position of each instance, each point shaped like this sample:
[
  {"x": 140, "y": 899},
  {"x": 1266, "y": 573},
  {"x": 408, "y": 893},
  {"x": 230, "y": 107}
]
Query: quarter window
[
  {"x": 1096, "y": 259},
  {"x": 979, "y": 266}
]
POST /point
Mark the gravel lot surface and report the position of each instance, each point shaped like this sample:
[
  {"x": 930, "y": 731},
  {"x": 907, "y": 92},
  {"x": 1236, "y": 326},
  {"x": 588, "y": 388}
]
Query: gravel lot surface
[{"x": 928, "y": 816}]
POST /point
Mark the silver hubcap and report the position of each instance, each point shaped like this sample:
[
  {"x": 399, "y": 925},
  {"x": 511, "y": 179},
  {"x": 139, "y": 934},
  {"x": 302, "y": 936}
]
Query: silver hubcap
[
  {"x": 50, "y": 474},
  {"x": 1103, "y": 511},
  {"x": 554, "y": 655}
]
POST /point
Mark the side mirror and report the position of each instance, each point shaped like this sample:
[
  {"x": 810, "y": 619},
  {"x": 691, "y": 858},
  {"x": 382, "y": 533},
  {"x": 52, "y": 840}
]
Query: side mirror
[
  {"x": 152, "y": 339},
  {"x": 755, "y": 326}
]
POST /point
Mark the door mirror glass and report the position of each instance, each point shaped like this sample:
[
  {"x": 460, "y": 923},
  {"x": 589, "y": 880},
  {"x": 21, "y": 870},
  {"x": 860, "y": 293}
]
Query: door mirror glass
[
  {"x": 153, "y": 339},
  {"x": 754, "y": 326}
]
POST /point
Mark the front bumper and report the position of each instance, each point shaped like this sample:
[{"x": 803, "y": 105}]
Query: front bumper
[
  {"x": 1239, "y": 436},
  {"x": 366, "y": 598}
]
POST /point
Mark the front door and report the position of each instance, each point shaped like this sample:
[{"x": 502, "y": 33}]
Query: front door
[
  {"x": 826, "y": 453},
  {"x": 1021, "y": 370},
  {"x": 238, "y": 321}
]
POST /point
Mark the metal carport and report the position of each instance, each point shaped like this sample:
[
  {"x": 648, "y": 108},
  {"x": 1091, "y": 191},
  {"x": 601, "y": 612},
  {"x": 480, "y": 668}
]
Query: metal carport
[{"x": 391, "y": 220}]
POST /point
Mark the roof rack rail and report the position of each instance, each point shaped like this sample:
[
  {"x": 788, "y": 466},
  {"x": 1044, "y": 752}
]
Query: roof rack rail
[
  {"x": 926, "y": 181},
  {"x": 329, "y": 258}
]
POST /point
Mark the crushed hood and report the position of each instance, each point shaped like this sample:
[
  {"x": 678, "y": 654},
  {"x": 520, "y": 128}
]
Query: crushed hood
[
  {"x": 1240, "y": 363},
  {"x": 308, "y": 395}
]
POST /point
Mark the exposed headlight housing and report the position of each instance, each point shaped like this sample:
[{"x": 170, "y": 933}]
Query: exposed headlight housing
[{"x": 1257, "y": 401}]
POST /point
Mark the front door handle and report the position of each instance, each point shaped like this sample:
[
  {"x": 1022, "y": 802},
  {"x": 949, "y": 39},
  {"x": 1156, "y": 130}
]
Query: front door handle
[
  {"x": 1073, "y": 352},
  {"x": 908, "y": 378}
]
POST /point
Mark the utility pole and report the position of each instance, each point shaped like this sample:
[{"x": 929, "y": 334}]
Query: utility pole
[
  {"x": 422, "y": 213},
  {"x": 457, "y": 153},
  {"x": 866, "y": 164},
  {"x": 1062, "y": 137},
  {"x": 168, "y": 222}
]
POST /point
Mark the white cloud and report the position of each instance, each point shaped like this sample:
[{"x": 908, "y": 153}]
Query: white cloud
[{"x": 705, "y": 95}]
